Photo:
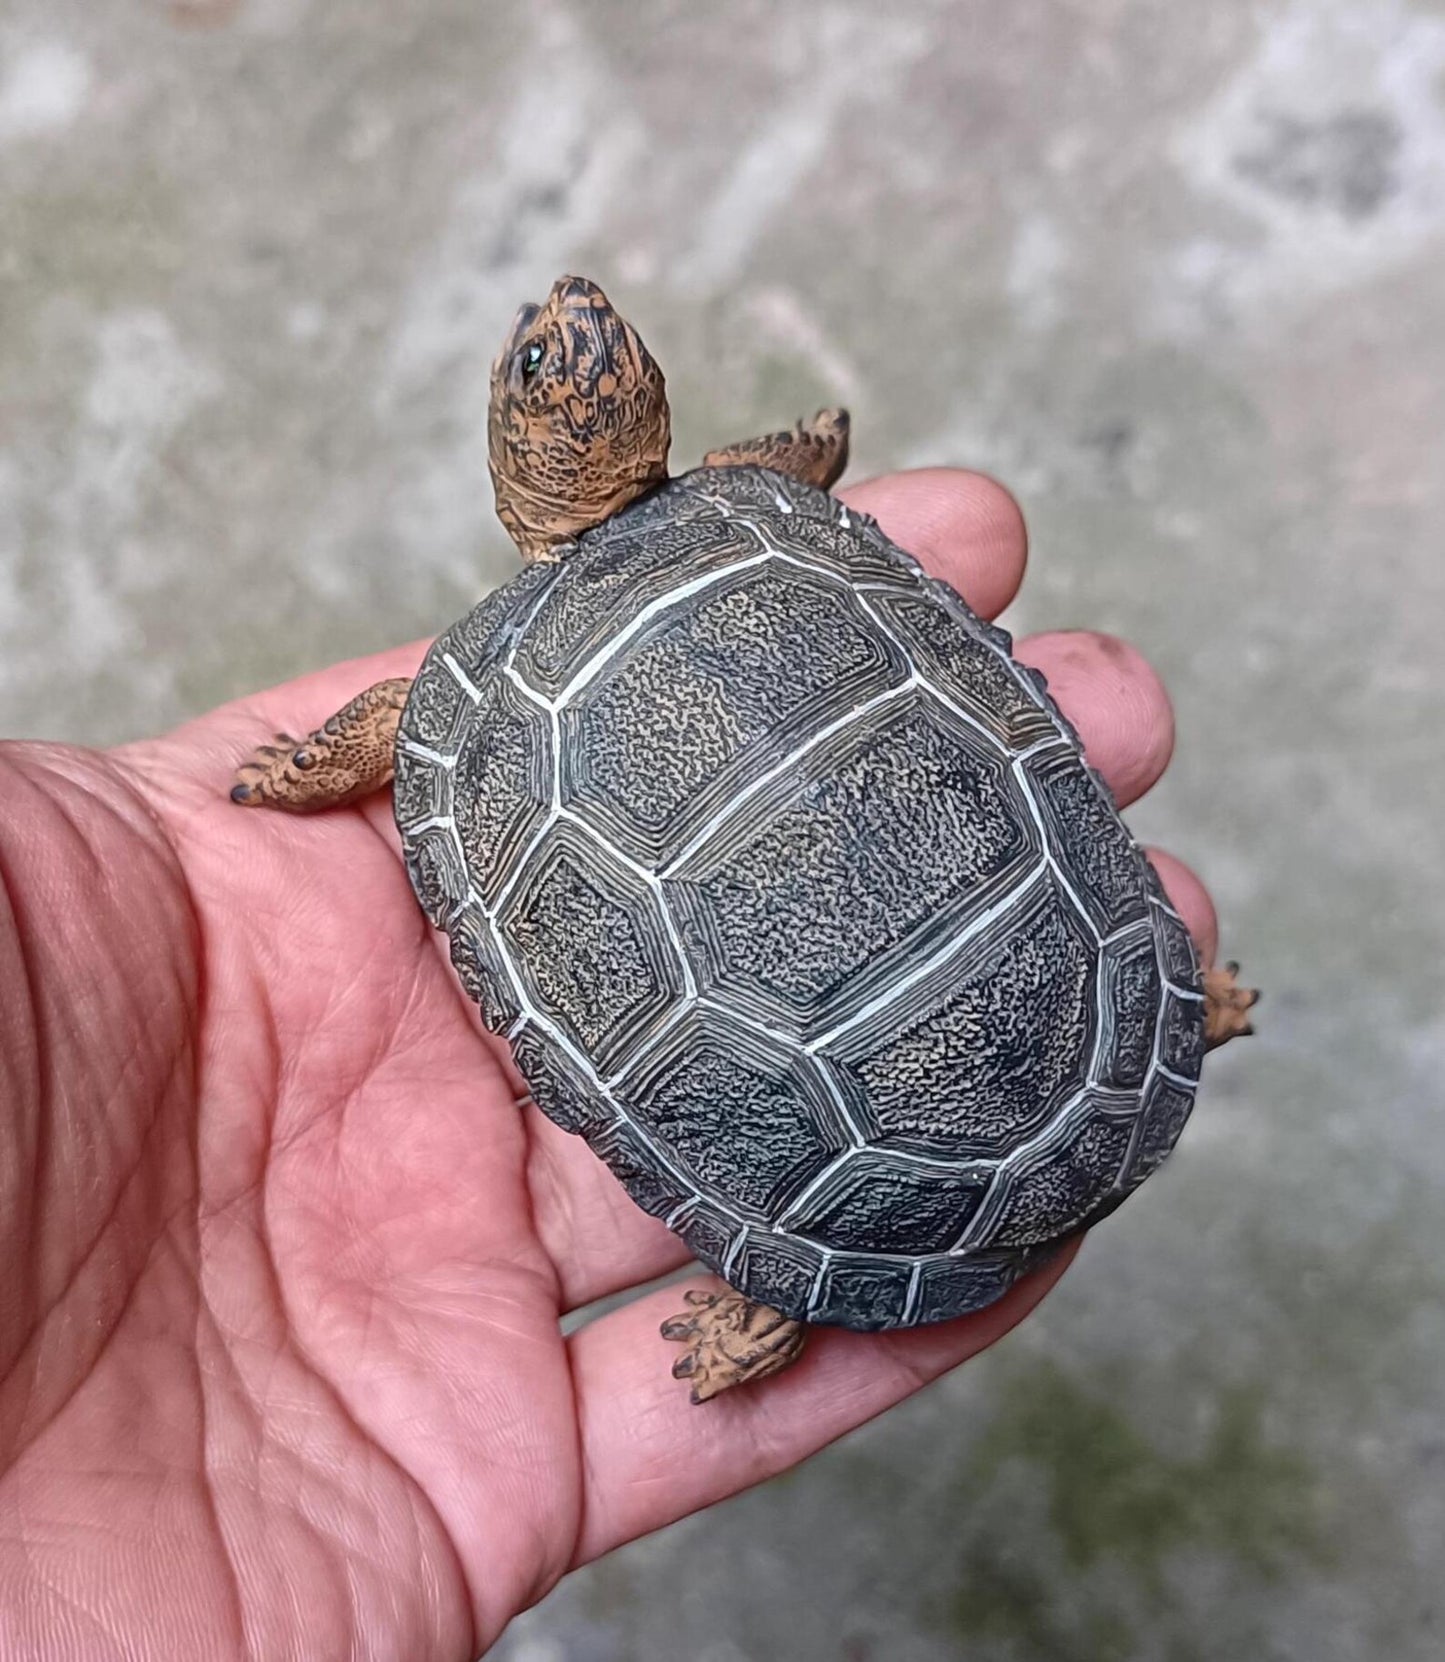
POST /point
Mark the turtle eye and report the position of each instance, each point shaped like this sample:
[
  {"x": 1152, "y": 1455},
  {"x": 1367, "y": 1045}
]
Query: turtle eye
[{"x": 532, "y": 360}]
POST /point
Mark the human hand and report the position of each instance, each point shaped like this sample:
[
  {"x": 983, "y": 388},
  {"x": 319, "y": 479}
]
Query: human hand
[{"x": 281, "y": 1369}]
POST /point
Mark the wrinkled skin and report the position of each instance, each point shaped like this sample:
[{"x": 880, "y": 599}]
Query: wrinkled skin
[{"x": 280, "y": 1365}]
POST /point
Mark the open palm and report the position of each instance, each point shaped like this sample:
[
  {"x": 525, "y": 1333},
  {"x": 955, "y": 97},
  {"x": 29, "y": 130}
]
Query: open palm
[{"x": 281, "y": 1366}]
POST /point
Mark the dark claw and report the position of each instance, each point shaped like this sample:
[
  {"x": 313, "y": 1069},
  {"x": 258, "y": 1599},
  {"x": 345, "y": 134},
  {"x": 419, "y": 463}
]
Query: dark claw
[
  {"x": 685, "y": 1366},
  {"x": 240, "y": 793},
  {"x": 679, "y": 1327},
  {"x": 699, "y": 1299}
]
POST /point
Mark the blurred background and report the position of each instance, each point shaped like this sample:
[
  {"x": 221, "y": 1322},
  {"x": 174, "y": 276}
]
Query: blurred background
[{"x": 1177, "y": 275}]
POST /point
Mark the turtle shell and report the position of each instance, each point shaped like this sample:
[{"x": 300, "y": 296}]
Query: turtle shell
[{"x": 795, "y": 896}]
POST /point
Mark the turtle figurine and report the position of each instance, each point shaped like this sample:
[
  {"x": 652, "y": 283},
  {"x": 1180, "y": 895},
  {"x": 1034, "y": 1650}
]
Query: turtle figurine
[{"x": 790, "y": 889}]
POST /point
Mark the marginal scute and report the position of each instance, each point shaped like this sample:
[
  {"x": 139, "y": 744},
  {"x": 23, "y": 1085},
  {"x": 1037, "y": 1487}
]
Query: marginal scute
[
  {"x": 435, "y": 707},
  {"x": 1089, "y": 839},
  {"x": 780, "y": 1270},
  {"x": 1129, "y": 1012},
  {"x": 1166, "y": 1110},
  {"x": 420, "y": 791},
  {"x": 438, "y": 876},
  {"x": 756, "y": 491},
  {"x": 636, "y": 1164},
  {"x": 1181, "y": 1035},
  {"x": 857, "y": 551},
  {"x": 873, "y": 1007},
  {"x": 482, "y": 971},
  {"x": 864, "y": 1293},
  {"x": 710, "y": 1235},
  {"x": 558, "y": 1088},
  {"x": 953, "y": 1286},
  {"x": 501, "y": 784},
  {"x": 1176, "y": 950}
]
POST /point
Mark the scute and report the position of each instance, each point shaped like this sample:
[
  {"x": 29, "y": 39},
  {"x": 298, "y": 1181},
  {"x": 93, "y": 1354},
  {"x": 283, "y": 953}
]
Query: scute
[
  {"x": 616, "y": 974},
  {"x": 1166, "y": 1109},
  {"x": 635, "y": 1161},
  {"x": 998, "y": 1046},
  {"x": 1089, "y": 839},
  {"x": 501, "y": 784},
  {"x": 863, "y": 1292},
  {"x": 556, "y": 1086},
  {"x": 1129, "y": 1011},
  {"x": 966, "y": 668},
  {"x": 781, "y": 1270},
  {"x": 666, "y": 732},
  {"x": 483, "y": 971},
  {"x": 892, "y": 831},
  {"x": 878, "y": 1203},
  {"x": 781, "y": 1128},
  {"x": 948, "y": 1285},
  {"x": 797, "y": 899},
  {"x": 1058, "y": 1189},
  {"x": 1176, "y": 950},
  {"x": 1181, "y": 1036}
]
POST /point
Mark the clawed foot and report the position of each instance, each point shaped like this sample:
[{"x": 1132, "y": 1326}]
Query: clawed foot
[
  {"x": 347, "y": 757},
  {"x": 270, "y": 775},
  {"x": 730, "y": 1340},
  {"x": 276, "y": 775},
  {"x": 1226, "y": 1005}
]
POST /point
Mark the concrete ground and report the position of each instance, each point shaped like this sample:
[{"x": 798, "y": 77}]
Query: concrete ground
[{"x": 1175, "y": 274}]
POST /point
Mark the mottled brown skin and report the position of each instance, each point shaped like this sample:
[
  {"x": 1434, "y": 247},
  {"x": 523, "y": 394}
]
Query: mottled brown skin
[
  {"x": 578, "y": 424},
  {"x": 348, "y": 756},
  {"x": 814, "y": 451},
  {"x": 1226, "y": 1006},
  {"x": 578, "y": 428},
  {"x": 730, "y": 1339}
]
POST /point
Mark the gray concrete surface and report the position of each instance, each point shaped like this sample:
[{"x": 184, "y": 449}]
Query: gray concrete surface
[{"x": 1177, "y": 273}]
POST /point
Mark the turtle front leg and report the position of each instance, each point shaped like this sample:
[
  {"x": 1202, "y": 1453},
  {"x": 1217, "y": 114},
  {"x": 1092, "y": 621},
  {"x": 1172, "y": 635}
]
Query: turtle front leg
[
  {"x": 730, "y": 1340},
  {"x": 1226, "y": 1006},
  {"x": 348, "y": 756},
  {"x": 816, "y": 451}
]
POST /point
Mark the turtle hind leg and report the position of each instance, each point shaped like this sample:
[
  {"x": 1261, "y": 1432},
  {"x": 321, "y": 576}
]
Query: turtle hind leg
[
  {"x": 1226, "y": 1006},
  {"x": 730, "y": 1340},
  {"x": 348, "y": 756},
  {"x": 816, "y": 451}
]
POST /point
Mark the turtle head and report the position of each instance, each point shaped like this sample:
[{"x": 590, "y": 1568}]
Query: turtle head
[{"x": 578, "y": 425}]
